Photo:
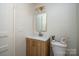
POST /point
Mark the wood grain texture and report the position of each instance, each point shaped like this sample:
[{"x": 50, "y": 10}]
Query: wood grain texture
[{"x": 37, "y": 48}]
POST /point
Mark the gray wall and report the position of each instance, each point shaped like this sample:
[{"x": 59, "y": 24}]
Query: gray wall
[{"x": 78, "y": 29}]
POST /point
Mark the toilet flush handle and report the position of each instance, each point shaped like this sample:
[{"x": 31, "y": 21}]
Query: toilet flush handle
[{"x": 53, "y": 37}]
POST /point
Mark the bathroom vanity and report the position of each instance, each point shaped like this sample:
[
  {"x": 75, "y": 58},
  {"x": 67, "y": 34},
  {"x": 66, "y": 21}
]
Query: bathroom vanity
[{"x": 37, "y": 45}]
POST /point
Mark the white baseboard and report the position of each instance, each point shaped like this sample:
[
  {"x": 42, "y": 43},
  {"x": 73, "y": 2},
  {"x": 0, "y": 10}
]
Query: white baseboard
[{"x": 71, "y": 52}]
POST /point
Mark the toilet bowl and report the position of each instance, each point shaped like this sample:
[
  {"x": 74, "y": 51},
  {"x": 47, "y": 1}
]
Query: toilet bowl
[{"x": 59, "y": 49}]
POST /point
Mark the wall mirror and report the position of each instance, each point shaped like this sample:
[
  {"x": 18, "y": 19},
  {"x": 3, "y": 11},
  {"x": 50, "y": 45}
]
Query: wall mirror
[{"x": 40, "y": 21}]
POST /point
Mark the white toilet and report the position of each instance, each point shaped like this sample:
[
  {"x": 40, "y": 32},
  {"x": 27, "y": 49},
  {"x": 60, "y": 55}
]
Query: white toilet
[{"x": 59, "y": 49}]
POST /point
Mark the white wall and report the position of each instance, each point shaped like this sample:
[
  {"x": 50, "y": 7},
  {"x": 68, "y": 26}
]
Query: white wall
[
  {"x": 6, "y": 27},
  {"x": 23, "y": 26},
  {"x": 61, "y": 20}
]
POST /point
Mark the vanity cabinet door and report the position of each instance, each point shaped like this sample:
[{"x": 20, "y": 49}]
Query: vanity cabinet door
[
  {"x": 28, "y": 47},
  {"x": 31, "y": 47},
  {"x": 43, "y": 48},
  {"x": 37, "y": 48}
]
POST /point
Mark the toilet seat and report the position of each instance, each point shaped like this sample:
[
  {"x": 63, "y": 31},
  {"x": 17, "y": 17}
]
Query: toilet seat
[{"x": 58, "y": 43}]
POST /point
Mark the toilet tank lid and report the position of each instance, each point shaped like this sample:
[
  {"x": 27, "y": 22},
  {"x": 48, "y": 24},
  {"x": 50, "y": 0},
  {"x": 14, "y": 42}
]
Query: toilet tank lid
[{"x": 58, "y": 43}]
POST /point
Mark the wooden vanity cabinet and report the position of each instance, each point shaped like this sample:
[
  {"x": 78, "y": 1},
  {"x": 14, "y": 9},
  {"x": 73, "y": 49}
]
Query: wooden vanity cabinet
[{"x": 37, "y": 47}]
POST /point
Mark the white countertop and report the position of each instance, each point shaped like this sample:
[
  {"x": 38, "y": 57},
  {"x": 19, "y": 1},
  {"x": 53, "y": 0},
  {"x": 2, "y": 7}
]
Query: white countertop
[{"x": 37, "y": 37}]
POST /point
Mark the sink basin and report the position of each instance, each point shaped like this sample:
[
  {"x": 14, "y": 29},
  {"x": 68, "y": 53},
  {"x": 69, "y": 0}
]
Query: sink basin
[{"x": 37, "y": 37}]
